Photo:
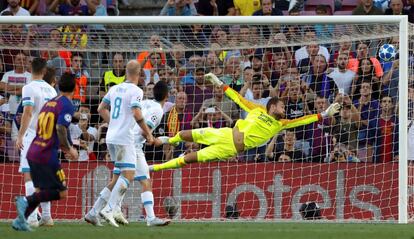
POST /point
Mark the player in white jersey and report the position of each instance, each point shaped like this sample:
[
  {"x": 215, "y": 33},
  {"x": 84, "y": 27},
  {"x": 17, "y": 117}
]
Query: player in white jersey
[
  {"x": 152, "y": 111},
  {"x": 124, "y": 101},
  {"x": 34, "y": 96}
]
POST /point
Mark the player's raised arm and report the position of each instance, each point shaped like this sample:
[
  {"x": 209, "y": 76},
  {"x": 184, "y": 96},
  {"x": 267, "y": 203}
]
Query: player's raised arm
[
  {"x": 246, "y": 105},
  {"x": 308, "y": 119}
]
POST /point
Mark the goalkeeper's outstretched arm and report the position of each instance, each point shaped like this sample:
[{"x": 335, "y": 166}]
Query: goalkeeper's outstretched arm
[{"x": 246, "y": 105}]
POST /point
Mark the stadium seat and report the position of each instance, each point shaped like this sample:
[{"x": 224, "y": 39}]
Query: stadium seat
[
  {"x": 343, "y": 13},
  {"x": 311, "y": 4},
  {"x": 349, "y": 5}
]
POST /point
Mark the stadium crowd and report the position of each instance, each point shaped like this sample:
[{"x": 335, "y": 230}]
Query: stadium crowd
[{"x": 307, "y": 77}]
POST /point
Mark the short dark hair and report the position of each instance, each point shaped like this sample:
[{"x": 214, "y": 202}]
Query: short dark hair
[
  {"x": 50, "y": 75},
  {"x": 75, "y": 54},
  {"x": 67, "y": 82},
  {"x": 160, "y": 91},
  {"x": 273, "y": 101},
  {"x": 257, "y": 80},
  {"x": 7, "y": 13},
  {"x": 38, "y": 65}
]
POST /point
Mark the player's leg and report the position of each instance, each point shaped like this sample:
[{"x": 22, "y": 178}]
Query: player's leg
[
  {"x": 92, "y": 216},
  {"x": 147, "y": 198},
  {"x": 125, "y": 159},
  {"x": 221, "y": 147},
  {"x": 182, "y": 136}
]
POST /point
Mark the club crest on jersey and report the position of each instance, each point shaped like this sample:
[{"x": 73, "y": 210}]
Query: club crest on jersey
[
  {"x": 154, "y": 118},
  {"x": 68, "y": 118}
]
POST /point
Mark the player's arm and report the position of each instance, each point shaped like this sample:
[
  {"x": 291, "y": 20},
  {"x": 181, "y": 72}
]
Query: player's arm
[
  {"x": 139, "y": 118},
  {"x": 308, "y": 119},
  {"x": 103, "y": 108},
  {"x": 27, "y": 103},
  {"x": 70, "y": 152}
]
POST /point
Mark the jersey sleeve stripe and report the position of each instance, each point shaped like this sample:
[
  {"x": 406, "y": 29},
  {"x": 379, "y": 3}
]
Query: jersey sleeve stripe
[
  {"x": 26, "y": 98},
  {"x": 105, "y": 100},
  {"x": 150, "y": 124},
  {"x": 28, "y": 103},
  {"x": 140, "y": 178},
  {"x": 136, "y": 105}
]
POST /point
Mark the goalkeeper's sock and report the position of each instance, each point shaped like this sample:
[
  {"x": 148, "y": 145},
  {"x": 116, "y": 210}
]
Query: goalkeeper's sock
[
  {"x": 172, "y": 164},
  {"x": 101, "y": 201},
  {"x": 46, "y": 209},
  {"x": 176, "y": 139},
  {"x": 147, "y": 199},
  {"x": 119, "y": 189},
  {"x": 29, "y": 190}
]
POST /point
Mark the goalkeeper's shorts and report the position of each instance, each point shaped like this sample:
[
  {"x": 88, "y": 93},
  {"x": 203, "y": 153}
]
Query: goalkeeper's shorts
[{"x": 220, "y": 144}]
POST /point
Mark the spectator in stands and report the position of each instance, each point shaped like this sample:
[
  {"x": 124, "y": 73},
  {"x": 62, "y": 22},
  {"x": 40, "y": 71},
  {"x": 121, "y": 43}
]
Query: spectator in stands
[
  {"x": 31, "y": 5},
  {"x": 15, "y": 37},
  {"x": 197, "y": 92},
  {"x": 304, "y": 56},
  {"x": 287, "y": 153},
  {"x": 317, "y": 79},
  {"x": 179, "y": 8},
  {"x": 319, "y": 133},
  {"x": 344, "y": 46},
  {"x": 267, "y": 9},
  {"x": 366, "y": 7},
  {"x": 279, "y": 65},
  {"x": 324, "y": 30},
  {"x": 389, "y": 84},
  {"x": 166, "y": 74},
  {"x": 211, "y": 117},
  {"x": 410, "y": 11},
  {"x": 343, "y": 154},
  {"x": 149, "y": 91},
  {"x": 155, "y": 59},
  {"x": 81, "y": 89},
  {"x": 383, "y": 133},
  {"x": 362, "y": 53},
  {"x": 193, "y": 36},
  {"x": 83, "y": 135},
  {"x": 231, "y": 73},
  {"x": 55, "y": 60},
  {"x": 348, "y": 122},
  {"x": 342, "y": 77},
  {"x": 74, "y": 36},
  {"x": 155, "y": 45},
  {"x": 283, "y": 52},
  {"x": 15, "y": 8},
  {"x": 260, "y": 63},
  {"x": 396, "y": 7},
  {"x": 282, "y": 5},
  {"x": 245, "y": 34},
  {"x": 296, "y": 107},
  {"x": 188, "y": 71},
  {"x": 114, "y": 76},
  {"x": 176, "y": 58},
  {"x": 69, "y": 8},
  {"x": 223, "y": 103},
  {"x": 366, "y": 70},
  {"x": 216, "y": 8},
  {"x": 246, "y": 7},
  {"x": 214, "y": 64},
  {"x": 177, "y": 119}
]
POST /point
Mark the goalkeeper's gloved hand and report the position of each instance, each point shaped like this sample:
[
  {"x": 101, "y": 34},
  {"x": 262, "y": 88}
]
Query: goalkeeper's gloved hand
[
  {"x": 210, "y": 77},
  {"x": 331, "y": 111}
]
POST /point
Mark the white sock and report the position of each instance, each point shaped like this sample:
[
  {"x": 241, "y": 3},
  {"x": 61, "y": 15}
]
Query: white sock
[
  {"x": 100, "y": 202},
  {"x": 119, "y": 206},
  {"x": 45, "y": 209},
  {"x": 120, "y": 188},
  {"x": 29, "y": 190},
  {"x": 147, "y": 199}
]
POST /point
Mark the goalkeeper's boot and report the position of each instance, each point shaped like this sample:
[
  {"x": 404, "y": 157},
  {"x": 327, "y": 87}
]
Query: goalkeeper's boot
[
  {"x": 107, "y": 214},
  {"x": 20, "y": 225},
  {"x": 213, "y": 79},
  {"x": 46, "y": 222},
  {"x": 158, "y": 222},
  {"x": 120, "y": 219},
  {"x": 94, "y": 220},
  {"x": 165, "y": 140}
]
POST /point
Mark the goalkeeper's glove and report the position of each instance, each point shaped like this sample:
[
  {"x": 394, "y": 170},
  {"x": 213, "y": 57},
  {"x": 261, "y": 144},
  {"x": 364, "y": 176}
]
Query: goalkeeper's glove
[
  {"x": 210, "y": 77},
  {"x": 331, "y": 111}
]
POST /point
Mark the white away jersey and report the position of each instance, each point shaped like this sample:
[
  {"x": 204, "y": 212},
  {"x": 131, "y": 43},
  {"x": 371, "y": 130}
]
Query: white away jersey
[
  {"x": 36, "y": 94},
  {"x": 122, "y": 98},
  {"x": 152, "y": 113},
  {"x": 16, "y": 79}
]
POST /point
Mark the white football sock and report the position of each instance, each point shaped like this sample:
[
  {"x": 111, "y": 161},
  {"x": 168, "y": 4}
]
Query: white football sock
[
  {"x": 119, "y": 189},
  {"x": 147, "y": 199},
  {"x": 45, "y": 209},
  {"x": 100, "y": 202}
]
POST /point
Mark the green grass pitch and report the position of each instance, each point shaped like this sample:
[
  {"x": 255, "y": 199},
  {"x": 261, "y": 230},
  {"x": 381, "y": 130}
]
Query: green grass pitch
[{"x": 225, "y": 230}]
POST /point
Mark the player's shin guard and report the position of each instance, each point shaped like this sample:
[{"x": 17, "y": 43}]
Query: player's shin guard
[
  {"x": 119, "y": 189},
  {"x": 29, "y": 190},
  {"x": 176, "y": 139},
  {"x": 101, "y": 201},
  {"x": 147, "y": 199},
  {"x": 172, "y": 164}
]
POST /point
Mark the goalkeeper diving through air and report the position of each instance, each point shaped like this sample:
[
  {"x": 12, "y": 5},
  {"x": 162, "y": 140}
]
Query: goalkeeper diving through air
[{"x": 257, "y": 128}]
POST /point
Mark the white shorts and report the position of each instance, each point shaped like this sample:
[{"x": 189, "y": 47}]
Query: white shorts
[
  {"x": 141, "y": 170},
  {"x": 24, "y": 165},
  {"x": 124, "y": 156}
]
